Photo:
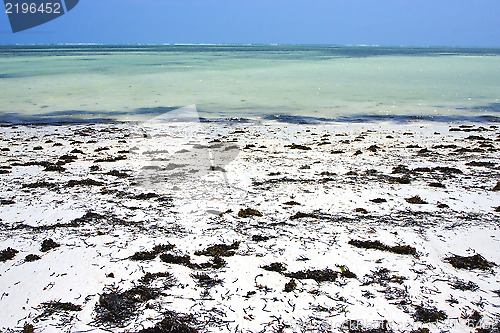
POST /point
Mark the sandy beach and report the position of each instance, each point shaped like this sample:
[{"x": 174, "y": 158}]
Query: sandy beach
[{"x": 250, "y": 227}]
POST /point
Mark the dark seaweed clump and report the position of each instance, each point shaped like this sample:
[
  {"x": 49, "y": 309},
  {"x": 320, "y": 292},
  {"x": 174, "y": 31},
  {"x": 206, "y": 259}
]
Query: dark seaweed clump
[
  {"x": 382, "y": 276},
  {"x": 173, "y": 323},
  {"x": 84, "y": 182},
  {"x": 355, "y": 326},
  {"x": 32, "y": 257},
  {"x": 244, "y": 213},
  {"x": 260, "y": 238},
  {"x": 219, "y": 250},
  {"x": 8, "y": 254},
  {"x": 275, "y": 267},
  {"x": 318, "y": 275},
  {"x": 116, "y": 308},
  {"x": 290, "y": 286},
  {"x": 462, "y": 285},
  {"x": 399, "y": 249},
  {"x": 429, "y": 315},
  {"x": 416, "y": 200},
  {"x": 150, "y": 255},
  {"x": 476, "y": 261},
  {"x": 49, "y": 308},
  {"x": 48, "y": 244},
  {"x": 206, "y": 281}
]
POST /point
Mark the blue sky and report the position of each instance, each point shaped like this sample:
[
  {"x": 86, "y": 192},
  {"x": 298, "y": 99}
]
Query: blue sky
[{"x": 347, "y": 22}]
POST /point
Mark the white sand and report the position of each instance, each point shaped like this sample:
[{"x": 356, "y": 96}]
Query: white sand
[{"x": 77, "y": 271}]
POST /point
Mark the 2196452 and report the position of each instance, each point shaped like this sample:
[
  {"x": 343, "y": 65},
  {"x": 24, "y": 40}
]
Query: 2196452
[{"x": 33, "y": 8}]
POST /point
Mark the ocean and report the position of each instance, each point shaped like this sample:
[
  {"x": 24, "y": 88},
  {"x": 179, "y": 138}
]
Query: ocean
[{"x": 283, "y": 82}]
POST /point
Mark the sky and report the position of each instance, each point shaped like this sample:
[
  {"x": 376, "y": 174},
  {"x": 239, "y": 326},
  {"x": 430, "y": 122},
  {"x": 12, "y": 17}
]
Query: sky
[{"x": 469, "y": 23}]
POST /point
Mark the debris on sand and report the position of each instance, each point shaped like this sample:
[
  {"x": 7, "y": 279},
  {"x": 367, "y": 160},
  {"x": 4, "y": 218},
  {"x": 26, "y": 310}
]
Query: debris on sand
[
  {"x": 84, "y": 182},
  {"x": 8, "y": 254},
  {"x": 473, "y": 319},
  {"x": 219, "y": 250},
  {"x": 150, "y": 255},
  {"x": 118, "y": 174},
  {"x": 416, "y": 200},
  {"x": 32, "y": 257},
  {"x": 260, "y": 238},
  {"x": 48, "y": 244},
  {"x": 184, "y": 260},
  {"x": 476, "y": 261},
  {"x": 292, "y": 203},
  {"x": 382, "y": 276},
  {"x": 206, "y": 281},
  {"x": 497, "y": 187},
  {"x": 428, "y": 315},
  {"x": 247, "y": 212},
  {"x": 275, "y": 267},
  {"x": 318, "y": 275},
  {"x": 49, "y": 308},
  {"x": 301, "y": 147},
  {"x": 399, "y": 249},
  {"x": 378, "y": 200},
  {"x": 173, "y": 323},
  {"x": 290, "y": 286},
  {"x": 111, "y": 159},
  {"x": 300, "y": 215},
  {"x": 463, "y": 286}
]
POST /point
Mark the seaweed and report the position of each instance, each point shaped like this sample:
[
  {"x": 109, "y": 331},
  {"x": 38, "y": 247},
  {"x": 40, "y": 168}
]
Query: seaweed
[
  {"x": 175, "y": 259},
  {"x": 275, "y": 267},
  {"x": 219, "y": 250},
  {"x": 247, "y": 212},
  {"x": 361, "y": 210},
  {"x": 355, "y": 326},
  {"x": 7, "y": 202},
  {"x": 345, "y": 272},
  {"x": 206, "y": 281},
  {"x": 48, "y": 244},
  {"x": 173, "y": 322},
  {"x": 111, "y": 159},
  {"x": 378, "y": 200},
  {"x": 399, "y": 180},
  {"x": 115, "y": 308},
  {"x": 118, "y": 174},
  {"x": 428, "y": 315},
  {"x": 416, "y": 200},
  {"x": 28, "y": 328},
  {"x": 8, "y": 254},
  {"x": 31, "y": 258},
  {"x": 472, "y": 320},
  {"x": 168, "y": 279},
  {"x": 290, "y": 286},
  {"x": 318, "y": 275},
  {"x": 476, "y": 261},
  {"x": 150, "y": 255},
  {"x": 301, "y": 147},
  {"x": 481, "y": 164},
  {"x": 398, "y": 249},
  {"x": 84, "y": 182},
  {"x": 300, "y": 215},
  {"x": 49, "y": 308},
  {"x": 462, "y": 285},
  {"x": 143, "y": 255},
  {"x": 40, "y": 184},
  {"x": 382, "y": 276},
  {"x": 260, "y": 238},
  {"x": 436, "y": 184}
]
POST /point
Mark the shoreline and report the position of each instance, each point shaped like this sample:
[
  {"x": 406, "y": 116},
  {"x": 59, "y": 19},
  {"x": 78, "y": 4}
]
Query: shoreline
[{"x": 292, "y": 202}]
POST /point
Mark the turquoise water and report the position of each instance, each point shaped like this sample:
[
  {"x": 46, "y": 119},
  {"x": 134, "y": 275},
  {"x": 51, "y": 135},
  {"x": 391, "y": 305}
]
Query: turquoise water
[{"x": 136, "y": 82}]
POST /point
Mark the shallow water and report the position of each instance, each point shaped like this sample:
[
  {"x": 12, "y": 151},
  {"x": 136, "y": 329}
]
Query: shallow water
[{"x": 137, "y": 82}]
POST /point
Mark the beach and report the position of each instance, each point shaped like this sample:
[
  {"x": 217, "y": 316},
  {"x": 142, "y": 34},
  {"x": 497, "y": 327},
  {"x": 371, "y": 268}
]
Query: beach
[{"x": 250, "y": 226}]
